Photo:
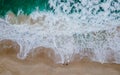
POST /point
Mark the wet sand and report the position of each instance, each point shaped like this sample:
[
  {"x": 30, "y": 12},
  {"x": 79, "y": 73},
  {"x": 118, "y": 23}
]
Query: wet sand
[{"x": 41, "y": 64}]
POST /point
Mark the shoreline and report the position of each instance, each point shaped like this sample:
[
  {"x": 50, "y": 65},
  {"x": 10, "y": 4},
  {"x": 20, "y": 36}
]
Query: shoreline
[
  {"x": 41, "y": 64},
  {"x": 14, "y": 66}
]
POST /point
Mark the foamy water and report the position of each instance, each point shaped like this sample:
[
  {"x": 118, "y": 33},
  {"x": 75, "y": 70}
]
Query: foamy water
[{"x": 84, "y": 28}]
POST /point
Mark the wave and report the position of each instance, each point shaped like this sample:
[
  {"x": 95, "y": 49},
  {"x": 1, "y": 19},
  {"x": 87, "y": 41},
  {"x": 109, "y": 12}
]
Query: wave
[{"x": 72, "y": 29}]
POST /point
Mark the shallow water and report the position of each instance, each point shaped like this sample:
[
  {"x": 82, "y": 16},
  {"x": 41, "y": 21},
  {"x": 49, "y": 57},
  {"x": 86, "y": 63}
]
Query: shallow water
[
  {"x": 69, "y": 28},
  {"x": 41, "y": 63}
]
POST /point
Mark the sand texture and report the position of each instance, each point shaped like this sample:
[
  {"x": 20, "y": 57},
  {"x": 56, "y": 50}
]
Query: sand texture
[{"x": 41, "y": 64}]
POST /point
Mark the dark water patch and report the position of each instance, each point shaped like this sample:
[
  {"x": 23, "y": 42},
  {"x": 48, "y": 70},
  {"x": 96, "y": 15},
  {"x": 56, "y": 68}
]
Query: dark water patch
[{"x": 27, "y": 6}]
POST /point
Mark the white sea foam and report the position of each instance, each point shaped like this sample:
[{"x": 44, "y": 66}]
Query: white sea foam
[{"x": 86, "y": 34}]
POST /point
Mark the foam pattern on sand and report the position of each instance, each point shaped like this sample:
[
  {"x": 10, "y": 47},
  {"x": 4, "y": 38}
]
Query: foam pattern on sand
[
  {"x": 99, "y": 43},
  {"x": 86, "y": 28}
]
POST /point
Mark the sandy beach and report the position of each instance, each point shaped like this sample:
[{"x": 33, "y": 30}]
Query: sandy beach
[
  {"x": 59, "y": 37},
  {"x": 41, "y": 64}
]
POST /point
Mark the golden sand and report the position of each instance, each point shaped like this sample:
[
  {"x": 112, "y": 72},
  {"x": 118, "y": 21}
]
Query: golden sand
[{"x": 41, "y": 64}]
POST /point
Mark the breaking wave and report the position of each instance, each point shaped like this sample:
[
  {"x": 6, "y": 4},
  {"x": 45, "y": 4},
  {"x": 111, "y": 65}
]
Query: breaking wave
[{"x": 86, "y": 28}]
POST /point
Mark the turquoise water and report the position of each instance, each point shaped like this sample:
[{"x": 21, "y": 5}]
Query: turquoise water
[
  {"x": 29, "y": 6},
  {"x": 26, "y": 5}
]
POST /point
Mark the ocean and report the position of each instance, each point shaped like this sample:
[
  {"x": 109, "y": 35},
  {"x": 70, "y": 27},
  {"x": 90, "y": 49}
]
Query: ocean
[{"x": 69, "y": 28}]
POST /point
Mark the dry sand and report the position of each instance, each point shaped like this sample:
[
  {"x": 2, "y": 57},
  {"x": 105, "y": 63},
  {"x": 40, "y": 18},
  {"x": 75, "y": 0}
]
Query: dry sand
[{"x": 40, "y": 64}]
